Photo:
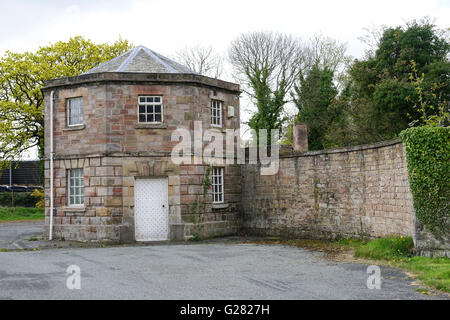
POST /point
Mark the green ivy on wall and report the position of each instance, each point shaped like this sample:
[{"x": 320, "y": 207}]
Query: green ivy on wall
[
  {"x": 428, "y": 158},
  {"x": 199, "y": 205}
]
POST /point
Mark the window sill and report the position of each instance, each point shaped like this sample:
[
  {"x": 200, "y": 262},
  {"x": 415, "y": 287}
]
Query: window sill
[
  {"x": 151, "y": 126},
  {"x": 220, "y": 129},
  {"x": 220, "y": 205},
  {"x": 74, "y": 209},
  {"x": 74, "y": 128}
]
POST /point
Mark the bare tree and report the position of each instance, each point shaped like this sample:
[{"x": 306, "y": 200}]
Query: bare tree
[
  {"x": 372, "y": 38},
  {"x": 266, "y": 65},
  {"x": 201, "y": 59},
  {"x": 327, "y": 53}
]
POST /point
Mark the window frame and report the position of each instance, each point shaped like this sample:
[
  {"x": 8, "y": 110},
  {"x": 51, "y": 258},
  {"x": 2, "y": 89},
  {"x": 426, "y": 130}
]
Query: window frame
[
  {"x": 220, "y": 114},
  {"x": 80, "y": 186},
  {"x": 220, "y": 194},
  {"x": 68, "y": 108},
  {"x": 152, "y": 104}
]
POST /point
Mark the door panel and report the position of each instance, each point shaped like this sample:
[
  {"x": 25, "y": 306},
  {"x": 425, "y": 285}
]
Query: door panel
[{"x": 151, "y": 209}]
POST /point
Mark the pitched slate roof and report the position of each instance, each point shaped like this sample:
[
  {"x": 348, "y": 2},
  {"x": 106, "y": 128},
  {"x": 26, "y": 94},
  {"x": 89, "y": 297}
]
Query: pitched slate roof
[{"x": 143, "y": 60}]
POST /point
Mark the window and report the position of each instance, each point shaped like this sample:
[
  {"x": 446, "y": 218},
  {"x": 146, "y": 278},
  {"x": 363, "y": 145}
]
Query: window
[
  {"x": 150, "y": 109},
  {"x": 216, "y": 113},
  {"x": 217, "y": 184},
  {"x": 74, "y": 111},
  {"x": 76, "y": 187}
]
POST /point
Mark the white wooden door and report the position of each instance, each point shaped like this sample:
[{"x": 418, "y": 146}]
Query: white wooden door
[{"x": 151, "y": 209}]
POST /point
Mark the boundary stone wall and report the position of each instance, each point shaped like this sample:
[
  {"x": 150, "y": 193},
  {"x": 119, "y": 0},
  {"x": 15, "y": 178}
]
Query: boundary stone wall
[{"x": 360, "y": 191}]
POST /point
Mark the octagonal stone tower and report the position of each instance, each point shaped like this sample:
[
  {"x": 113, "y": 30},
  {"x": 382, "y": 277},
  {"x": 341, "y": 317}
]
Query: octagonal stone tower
[{"x": 112, "y": 134}]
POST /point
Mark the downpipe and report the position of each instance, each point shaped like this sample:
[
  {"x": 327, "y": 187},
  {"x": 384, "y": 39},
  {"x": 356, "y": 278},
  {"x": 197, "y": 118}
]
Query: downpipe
[{"x": 50, "y": 236}]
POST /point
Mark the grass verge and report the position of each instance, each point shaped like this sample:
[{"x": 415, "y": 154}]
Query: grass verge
[
  {"x": 21, "y": 214},
  {"x": 398, "y": 251}
]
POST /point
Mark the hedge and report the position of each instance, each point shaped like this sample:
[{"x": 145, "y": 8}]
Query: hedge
[
  {"x": 21, "y": 199},
  {"x": 428, "y": 159}
]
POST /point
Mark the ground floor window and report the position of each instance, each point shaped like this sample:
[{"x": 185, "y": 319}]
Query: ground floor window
[
  {"x": 75, "y": 187},
  {"x": 217, "y": 184}
]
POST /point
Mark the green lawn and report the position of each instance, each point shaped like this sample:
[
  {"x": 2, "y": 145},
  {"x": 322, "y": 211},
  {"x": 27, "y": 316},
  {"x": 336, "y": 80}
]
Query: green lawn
[
  {"x": 21, "y": 214},
  {"x": 434, "y": 272}
]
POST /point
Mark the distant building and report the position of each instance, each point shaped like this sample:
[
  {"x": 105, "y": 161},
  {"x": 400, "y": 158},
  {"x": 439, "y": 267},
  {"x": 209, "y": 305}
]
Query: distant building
[{"x": 23, "y": 173}]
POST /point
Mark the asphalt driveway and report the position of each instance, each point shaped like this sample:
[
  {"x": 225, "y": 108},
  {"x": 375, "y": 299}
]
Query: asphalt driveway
[
  {"x": 194, "y": 271},
  {"x": 17, "y": 235}
]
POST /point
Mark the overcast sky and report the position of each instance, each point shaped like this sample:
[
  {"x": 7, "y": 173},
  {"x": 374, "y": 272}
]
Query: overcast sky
[
  {"x": 169, "y": 25},
  {"x": 166, "y": 26}
]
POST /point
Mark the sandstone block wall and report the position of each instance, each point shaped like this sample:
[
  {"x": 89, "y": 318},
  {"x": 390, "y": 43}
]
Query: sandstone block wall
[
  {"x": 108, "y": 212},
  {"x": 114, "y": 150},
  {"x": 355, "y": 192},
  {"x": 110, "y": 121}
]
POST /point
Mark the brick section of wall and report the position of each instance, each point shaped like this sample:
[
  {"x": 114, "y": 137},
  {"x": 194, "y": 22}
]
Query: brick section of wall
[{"x": 360, "y": 191}]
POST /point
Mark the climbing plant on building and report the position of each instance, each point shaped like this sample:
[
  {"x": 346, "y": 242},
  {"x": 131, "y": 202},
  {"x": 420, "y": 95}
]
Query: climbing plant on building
[
  {"x": 199, "y": 206},
  {"x": 428, "y": 159}
]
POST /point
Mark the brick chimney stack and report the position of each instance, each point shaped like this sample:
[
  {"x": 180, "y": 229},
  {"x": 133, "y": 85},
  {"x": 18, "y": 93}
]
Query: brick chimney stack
[{"x": 300, "y": 137}]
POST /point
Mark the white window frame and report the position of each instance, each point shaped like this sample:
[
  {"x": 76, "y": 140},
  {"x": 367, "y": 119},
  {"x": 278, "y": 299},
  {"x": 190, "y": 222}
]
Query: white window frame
[
  {"x": 160, "y": 103},
  {"x": 217, "y": 119},
  {"x": 75, "y": 181},
  {"x": 69, "y": 108},
  {"x": 218, "y": 184}
]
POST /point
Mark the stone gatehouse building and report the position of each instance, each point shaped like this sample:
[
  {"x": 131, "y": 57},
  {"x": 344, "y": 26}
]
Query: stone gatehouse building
[{"x": 113, "y": 177}]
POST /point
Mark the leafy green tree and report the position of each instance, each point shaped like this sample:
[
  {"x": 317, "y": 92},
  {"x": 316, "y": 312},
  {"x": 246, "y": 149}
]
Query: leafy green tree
[
  {"x": 22, "y": 76},
  {"x": 383, "y": 94},
  {"x": 315, "y": 98}
]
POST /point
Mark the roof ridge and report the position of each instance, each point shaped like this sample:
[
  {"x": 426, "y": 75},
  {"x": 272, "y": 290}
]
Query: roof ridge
[
  {"x": 174, "y": 62},
  {"x": 147, "y": 62},
  {"x": 103, "y": 63},
  {"x": 150, "y": 52},
  {"x": 129, "y": 58}
]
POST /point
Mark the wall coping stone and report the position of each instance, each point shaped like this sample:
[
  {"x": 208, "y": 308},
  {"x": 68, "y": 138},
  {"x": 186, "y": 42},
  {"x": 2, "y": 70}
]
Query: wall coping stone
[{"x": 375, "y": 145}]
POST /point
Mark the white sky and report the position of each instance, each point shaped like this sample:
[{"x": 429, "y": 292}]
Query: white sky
[{"x": 169, "y": 25}]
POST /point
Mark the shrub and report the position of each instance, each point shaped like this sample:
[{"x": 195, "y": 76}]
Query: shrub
[
  {"x": 428, "y": 158},
  {"x": 40, "y": 198},
  {"x": 21, "y": 199}
]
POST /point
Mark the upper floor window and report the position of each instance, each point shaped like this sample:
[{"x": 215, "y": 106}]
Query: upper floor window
[
  {"x": 216, "y": 113},
  {"x": 75, "y": 185},
  {"x": 150, "y": 109},
  {"x": 74, "y": 108}
]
